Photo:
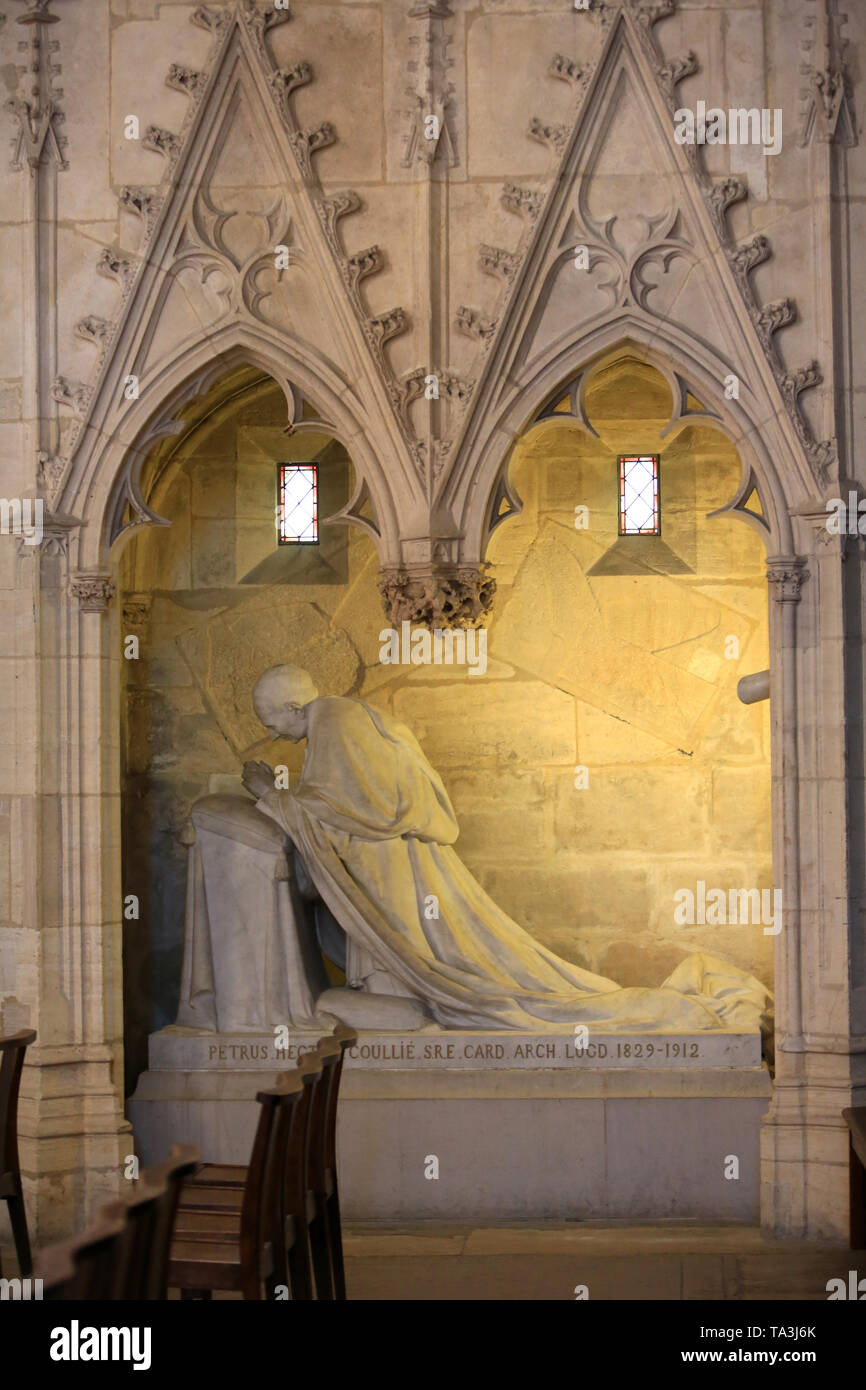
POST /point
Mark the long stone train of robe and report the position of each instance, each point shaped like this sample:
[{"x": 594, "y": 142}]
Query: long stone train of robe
[{"x": 376, "y": 829}]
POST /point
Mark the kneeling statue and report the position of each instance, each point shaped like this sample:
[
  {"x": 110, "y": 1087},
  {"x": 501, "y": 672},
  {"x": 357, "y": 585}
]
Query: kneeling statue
[{"x": 369, "y": 871}]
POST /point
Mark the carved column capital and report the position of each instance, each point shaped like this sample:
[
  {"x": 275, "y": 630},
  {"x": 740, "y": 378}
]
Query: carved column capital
[
  {"x": 786, "y": 575},
  {"x": 93, "y": 591}
]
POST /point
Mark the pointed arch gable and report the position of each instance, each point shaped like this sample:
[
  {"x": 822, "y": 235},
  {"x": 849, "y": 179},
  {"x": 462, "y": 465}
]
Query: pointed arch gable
[
  {"x": 206, "y": 292},
  {"x": 101, "y": 491},
  {"x": 687, "y": 228},
  {"x": 760, "y": 443}
]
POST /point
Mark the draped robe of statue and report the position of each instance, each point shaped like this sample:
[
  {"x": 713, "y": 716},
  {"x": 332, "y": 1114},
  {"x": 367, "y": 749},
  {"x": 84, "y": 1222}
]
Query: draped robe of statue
[{"x": 375, "y": 828}]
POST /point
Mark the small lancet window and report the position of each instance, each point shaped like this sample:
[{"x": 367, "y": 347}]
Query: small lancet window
[
  {"x": 639, "y": 495},
  {"x": 297, "y": 503}
]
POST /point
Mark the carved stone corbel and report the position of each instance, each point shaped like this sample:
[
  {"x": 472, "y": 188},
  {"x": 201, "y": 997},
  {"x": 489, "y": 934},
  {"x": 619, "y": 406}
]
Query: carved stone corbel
[{"x": 437, "y": 595}]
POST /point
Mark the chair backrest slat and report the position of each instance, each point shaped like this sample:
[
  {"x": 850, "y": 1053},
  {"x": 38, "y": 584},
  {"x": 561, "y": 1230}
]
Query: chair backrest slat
[
  {"x": 264, "y": 1199},
  {"x": 12, "y": 1050},
  {"x": 160, "y": 1186}
]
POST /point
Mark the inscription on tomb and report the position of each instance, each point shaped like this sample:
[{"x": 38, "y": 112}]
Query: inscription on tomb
[{"x": 465, "y": 1051}]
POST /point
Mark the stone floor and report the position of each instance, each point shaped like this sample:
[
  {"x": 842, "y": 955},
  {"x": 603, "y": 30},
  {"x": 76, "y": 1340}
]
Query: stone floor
[
  {"x": 613, "y": 1260},
  {"x": 547, "y": 1261}
]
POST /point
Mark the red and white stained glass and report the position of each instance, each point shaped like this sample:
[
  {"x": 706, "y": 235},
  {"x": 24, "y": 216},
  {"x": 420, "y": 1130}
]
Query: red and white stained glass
[
  {"x": 639, "y": 495},
  {"x": 298, "y": 512}
]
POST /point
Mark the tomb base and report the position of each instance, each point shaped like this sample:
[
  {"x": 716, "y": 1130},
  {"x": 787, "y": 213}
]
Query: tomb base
[{"x": 489, "y": 1126}]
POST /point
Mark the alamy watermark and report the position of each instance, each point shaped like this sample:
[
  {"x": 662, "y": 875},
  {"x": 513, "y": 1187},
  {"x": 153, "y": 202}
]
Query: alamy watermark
[
  {"x": 737, "y": 126},
  {"x": 22, "y": 516},
  {"x": 437, "y": 647},
  {"x": 847, "y": 519},
  {"x": 20, "y": 1290},
  {"x": 713, "y": 907}
]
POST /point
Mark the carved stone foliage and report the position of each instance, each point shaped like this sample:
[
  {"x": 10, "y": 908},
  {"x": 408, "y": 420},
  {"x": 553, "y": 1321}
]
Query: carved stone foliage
[
  {"x": 92, "y": 329},
  {"x": 161, "y": 141},
  {"x": 496, "y": 261},
  {"x": 93, "y": 591},
  {"x": 74, "y": 394},
  {"x": 786, "y": 576},
  {"x": 438, "y": 595},
  {"x": 526, "y": 202},
  {"x": 117, "y": 267},
  {"x": 475, "y": 324},
  {"x": 556, "y": 136},
  {"x": 566, "y": 69},
  {"x": 719, "y": 198}
]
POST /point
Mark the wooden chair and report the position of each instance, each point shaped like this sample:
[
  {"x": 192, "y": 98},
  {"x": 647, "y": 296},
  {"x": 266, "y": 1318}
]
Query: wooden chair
[
  {"x": 326, "y": 1240},
  {"x": 150, "y": 1218},
  {"x": 12, "y": 1050},
  {"x": 235, "y": 1239},
  {"x": 123, "y": 1254},
  {"x": 346, "y": 1037},
  {"x": 328, "y": 1054},
  {"x": 88, "y": 1267},
  {"x": 856, "y": 1122},
  {"x": 213, "y": 1200}
]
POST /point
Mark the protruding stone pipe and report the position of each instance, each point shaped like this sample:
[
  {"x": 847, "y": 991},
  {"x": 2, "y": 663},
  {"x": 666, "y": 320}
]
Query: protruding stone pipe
[{"x": 753, "y": 688}]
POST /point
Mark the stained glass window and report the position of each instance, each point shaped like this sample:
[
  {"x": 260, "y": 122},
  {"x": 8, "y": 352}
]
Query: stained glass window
[
  {"x": 297, "y": 503},
  {"x": 639, "y": 495}
]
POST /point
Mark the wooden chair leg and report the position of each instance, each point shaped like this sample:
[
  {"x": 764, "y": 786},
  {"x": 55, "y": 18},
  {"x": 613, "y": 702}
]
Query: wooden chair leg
[
  {"x": 18, "y": 1221},
  {"x": 335, "y": 1239},
  {"x": 857, "y": 1190},
  {"x": 319, "y": 1248},
  {"x": 300, "y": 1281}
]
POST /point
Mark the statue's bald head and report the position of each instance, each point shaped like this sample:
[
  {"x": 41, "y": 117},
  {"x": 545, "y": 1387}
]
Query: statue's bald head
[
  {"x": 279, "y": 698},
  {"x": 291, "y": 685}
]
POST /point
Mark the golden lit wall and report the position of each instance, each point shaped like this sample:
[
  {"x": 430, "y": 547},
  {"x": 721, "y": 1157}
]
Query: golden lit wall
[{"x": 619, "y": 656}]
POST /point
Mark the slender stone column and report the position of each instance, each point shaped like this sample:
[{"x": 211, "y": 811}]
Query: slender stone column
[{"x": 818, "y": 779}]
